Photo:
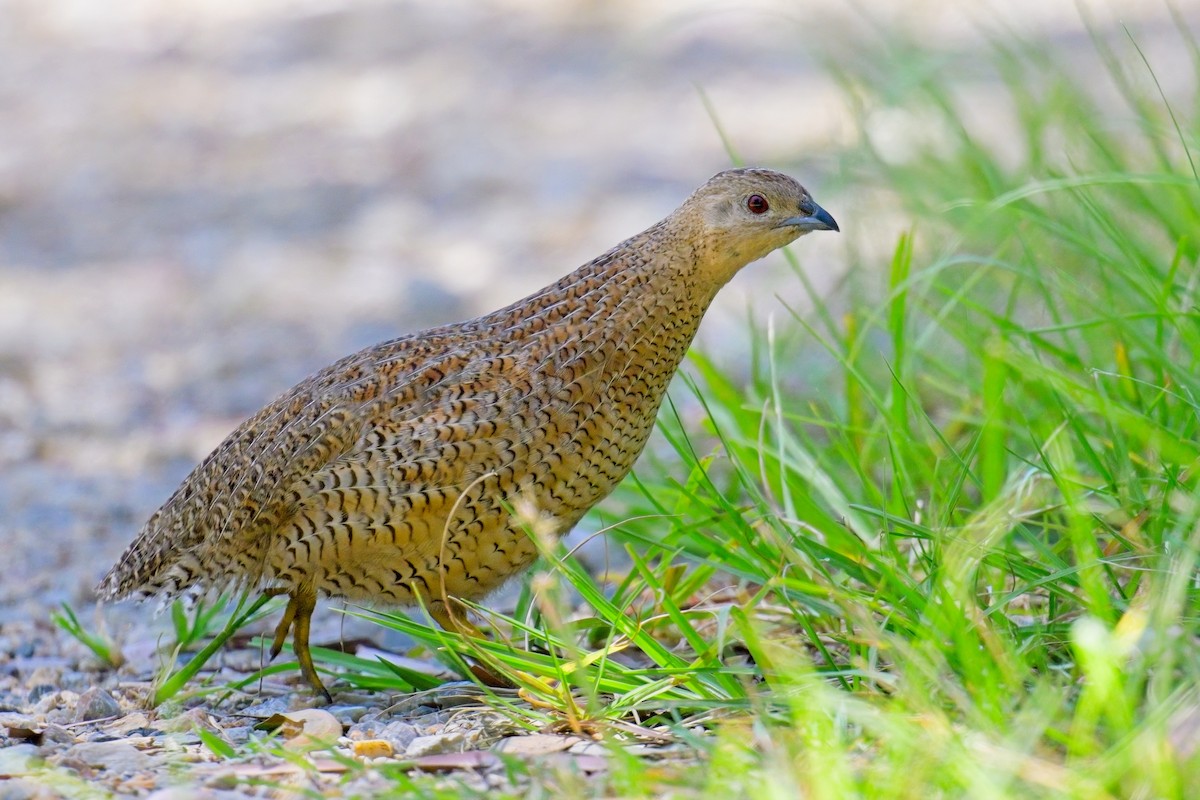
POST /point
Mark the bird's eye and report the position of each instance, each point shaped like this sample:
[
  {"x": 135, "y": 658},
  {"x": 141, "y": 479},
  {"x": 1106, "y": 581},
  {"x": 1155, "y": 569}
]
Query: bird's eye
[{"x": 757, "y": 204}]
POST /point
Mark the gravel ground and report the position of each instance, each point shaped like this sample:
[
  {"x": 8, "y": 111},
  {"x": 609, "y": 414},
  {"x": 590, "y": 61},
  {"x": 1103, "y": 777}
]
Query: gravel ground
[{"x": 202, "y": 202}]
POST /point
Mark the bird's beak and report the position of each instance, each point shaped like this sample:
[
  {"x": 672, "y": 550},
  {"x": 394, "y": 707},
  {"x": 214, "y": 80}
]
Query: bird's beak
[{"x": 819, "y": 220}]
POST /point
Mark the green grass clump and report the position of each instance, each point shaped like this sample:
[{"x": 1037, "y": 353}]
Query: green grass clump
[
  {"x": 955, "y": 554},
  {"x": 204, "y": 628}
]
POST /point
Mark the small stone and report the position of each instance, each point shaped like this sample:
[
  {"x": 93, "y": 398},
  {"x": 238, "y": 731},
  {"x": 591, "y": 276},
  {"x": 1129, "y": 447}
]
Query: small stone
[
  {"x": 58, "y": 704},
  {"x": 115, "y": 756},
  {"x": 182, "y": 730},
  {"x": 238, "y": 735},
  {"x": 452, "y": 762},
  {"x": 435, "y": 745},
  {"x": 96, "y": 704},
  {"x": 316, "y": 728},
  {"x": 535, "y": 744},
  {"x": 401, "y": 735},
  {"x": 267, "y": 708},
  {"x": 373, "y": 748},
  {"x": 44, "y": 673},
  {"x": 128, "y": 724},
  {"x": 31, "y": 788},
  {"x": 347, "y": 715},
  {"x": 590, "y": 763},
  {"x": 57, "y": 734},
  {"x": 396, "y": 733},
  {"x": 39, "y": 691},
  {"x": 20, "y": 759},
  {"x": 586, "y": 748}
]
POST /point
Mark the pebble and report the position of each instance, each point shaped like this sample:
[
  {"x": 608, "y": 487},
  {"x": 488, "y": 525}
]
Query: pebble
[
  {"x": 267, "y": 708},
  {"x": 25, "y": 789},
  {"x": 187, "y": 722},
  {"x": 436, "y": 744},
  {"x": 57, "y": 734},
  {"x": 373, "y": 748},
  {"x": 95, "y": 704},
  {"x": 317, "y": 728},
  {"x": 347, "y": 715},
  {"x": 238, "y": 735},
  {"x": 117, "y": 756},
  {"x": 399, "y": 734},
  {"x": 41, "y": 690},
  {"x": 54, "y": 703},
  {"x": 535, "y": 744},
  {"x": 130, "y": 724},
  {"x": 20, "y": 759},
  {"x": 586, "y": 748}
]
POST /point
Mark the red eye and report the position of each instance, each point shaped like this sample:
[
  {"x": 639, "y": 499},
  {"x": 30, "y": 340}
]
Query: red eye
[{"x": 757, "y": 204}]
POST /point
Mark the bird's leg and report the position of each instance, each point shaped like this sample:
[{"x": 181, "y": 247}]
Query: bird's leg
[
  {"x": 285, "y": 624},
  {"x": 451, "y": 621},
  {"x": 298, "y": 617},
  {"x": 457, "y": 622},
  {"x": 305, "y": 603}
]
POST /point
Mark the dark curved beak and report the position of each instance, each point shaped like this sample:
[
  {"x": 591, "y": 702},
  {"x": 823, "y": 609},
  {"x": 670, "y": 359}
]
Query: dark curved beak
[{"x": 818, "y": 220}]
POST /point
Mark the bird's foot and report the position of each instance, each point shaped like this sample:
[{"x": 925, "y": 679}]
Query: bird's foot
[{"x": 298, "y": 618}]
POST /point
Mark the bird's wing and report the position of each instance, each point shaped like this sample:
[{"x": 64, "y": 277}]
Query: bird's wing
[{"x": 238, "y": 487}]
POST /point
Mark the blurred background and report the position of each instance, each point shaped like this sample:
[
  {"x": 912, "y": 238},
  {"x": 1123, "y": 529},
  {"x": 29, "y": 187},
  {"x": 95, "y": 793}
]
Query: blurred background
[{"x": 203, "y": 202}]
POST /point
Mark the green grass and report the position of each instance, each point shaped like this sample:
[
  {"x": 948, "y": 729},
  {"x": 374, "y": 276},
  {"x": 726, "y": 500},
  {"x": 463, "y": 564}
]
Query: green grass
[
  {"x": 940, "y": 539},
  {"x": 204, "y": 628},
  {"x": 100, "y": 643}
]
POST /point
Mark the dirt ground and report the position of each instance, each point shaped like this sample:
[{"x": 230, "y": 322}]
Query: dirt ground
[{"x": 202, "y": 202}]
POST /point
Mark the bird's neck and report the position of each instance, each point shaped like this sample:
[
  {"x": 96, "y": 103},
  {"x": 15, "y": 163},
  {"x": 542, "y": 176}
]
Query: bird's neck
[
  {"x": 620, "y": 324},
  {"x": 652, "y": 280},
  {"x": 634, "y": 309},
  {"x": 662, "y": 261}
]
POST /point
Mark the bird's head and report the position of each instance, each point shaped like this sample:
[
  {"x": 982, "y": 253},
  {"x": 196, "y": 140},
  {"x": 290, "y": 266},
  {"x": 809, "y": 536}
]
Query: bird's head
[{"x": 743, "y": 214}]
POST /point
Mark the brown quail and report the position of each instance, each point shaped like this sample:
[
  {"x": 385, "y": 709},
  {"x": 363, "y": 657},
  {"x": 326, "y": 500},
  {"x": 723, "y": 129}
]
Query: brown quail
[{"x": 388, "y": 477}]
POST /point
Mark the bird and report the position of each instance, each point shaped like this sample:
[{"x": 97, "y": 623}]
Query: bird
[{"x": 391, "y": 477}]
